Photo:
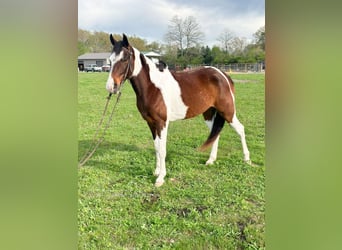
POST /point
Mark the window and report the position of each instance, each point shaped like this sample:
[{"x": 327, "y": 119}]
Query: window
[{"x": 99, "y": 63}]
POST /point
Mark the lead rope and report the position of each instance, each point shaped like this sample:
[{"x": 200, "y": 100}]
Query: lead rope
[
  {"x": 95, "y": 143},
  {"x": 90, "y": 152}
]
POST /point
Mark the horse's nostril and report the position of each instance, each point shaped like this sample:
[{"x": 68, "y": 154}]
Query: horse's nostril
[{"x": 115, "y": 88}]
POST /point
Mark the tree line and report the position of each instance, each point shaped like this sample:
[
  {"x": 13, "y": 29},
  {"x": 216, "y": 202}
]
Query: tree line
[{"x": 183, "y": 44}]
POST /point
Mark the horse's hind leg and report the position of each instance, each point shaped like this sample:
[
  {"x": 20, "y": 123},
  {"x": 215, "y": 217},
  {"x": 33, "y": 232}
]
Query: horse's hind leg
[
  {"x": 239, "y": 128},
  {"x": 213, "y": 152},
  {"x": 209, "y": 117}
]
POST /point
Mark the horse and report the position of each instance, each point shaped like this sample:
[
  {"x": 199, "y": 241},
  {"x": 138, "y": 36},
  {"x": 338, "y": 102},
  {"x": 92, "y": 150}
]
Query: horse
[{"x": 163, "y": 96}]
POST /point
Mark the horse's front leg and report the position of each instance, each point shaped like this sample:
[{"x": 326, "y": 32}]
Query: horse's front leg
[
  {"x": 156, "y": 146},
  {"x": 160, "y": 147}
]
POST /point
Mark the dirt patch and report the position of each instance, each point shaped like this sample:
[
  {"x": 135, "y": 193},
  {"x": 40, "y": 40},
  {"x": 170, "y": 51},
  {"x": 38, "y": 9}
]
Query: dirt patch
[
  {"x": 151, "y": 198},
  {"x": 244, "y": 81},
  {"x": 184, "y": 212}
]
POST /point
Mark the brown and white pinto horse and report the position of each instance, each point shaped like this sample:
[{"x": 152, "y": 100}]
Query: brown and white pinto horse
[{"x": 164, "y": 96}]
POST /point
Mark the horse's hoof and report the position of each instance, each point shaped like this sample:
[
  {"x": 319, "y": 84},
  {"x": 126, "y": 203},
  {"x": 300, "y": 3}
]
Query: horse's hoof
[
  {"x": 158, "y": 184},
  {"x": 249, "y": 162},
  {"x": 209, "y": 162}
]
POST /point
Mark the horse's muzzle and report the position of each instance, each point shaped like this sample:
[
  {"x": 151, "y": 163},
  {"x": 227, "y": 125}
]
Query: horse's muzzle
[{"x": 115, "y": 89}]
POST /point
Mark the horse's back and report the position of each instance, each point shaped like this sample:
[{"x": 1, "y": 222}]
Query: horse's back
[
  {"x": 207, "y": 74},
  {"x": 204, "y": 79},
  {"x": 204, "y": 87}
]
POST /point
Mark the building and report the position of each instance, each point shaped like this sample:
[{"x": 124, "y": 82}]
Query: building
[
  {"x": 153, "y": 56},
  {"x": 100, "y": 59}
]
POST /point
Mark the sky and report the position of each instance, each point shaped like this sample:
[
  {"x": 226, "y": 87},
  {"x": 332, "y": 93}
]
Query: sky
[{"x": 149, "y": 19}]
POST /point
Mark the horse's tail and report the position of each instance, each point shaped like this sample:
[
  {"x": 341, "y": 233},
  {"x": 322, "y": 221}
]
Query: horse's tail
[{"x": 215, "y": 131}]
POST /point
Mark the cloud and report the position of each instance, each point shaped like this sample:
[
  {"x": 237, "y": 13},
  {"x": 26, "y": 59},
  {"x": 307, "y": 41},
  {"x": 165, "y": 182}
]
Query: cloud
[{"x": 149, "y": 19}]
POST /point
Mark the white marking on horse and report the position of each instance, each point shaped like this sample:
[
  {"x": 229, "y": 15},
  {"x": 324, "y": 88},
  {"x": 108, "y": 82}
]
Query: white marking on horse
[
  {"x": 137, "y": 62},
  {"x": 160, "y": 147},
  {"x": 239, "y": 128},
  {"x": 170, "y": 90},
  {"x": 110, "y": 82},
  {"x": 113, "y": 59},
  {"x": 213, "y": 152}
]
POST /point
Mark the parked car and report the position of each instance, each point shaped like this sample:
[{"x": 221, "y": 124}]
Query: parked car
[
  {"x": 92, "y": 68},
  {"x": 106, "y": 68}
]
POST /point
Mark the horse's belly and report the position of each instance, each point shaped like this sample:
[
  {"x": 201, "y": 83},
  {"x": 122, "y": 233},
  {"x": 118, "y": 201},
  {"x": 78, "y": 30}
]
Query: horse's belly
[{"x": 173, "y": 116}]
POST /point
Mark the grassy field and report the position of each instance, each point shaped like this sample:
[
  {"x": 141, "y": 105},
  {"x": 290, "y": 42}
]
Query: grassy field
[{"x": 199, "y": 207}]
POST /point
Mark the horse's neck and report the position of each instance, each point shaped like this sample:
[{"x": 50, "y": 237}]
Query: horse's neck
[{"x": 141, "y": 79}]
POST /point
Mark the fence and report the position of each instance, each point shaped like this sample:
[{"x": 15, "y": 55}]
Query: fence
[{"x": 233, "y": 67}]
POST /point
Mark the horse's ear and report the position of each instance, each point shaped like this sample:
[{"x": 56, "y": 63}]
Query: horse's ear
[
  {"x": 125, "y": 42},
  {"x": 112, "y": 39}
]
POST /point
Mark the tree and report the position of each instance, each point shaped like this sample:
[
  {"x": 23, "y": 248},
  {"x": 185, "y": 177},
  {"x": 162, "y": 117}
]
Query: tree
[
  {"x": 154, "y": 46},
  {"x": 237, "y": 46},
  {"x": 184, "y": 33},
  {"x": 175, "y": 33},
  {"x": 219, "y": 56},
  {"x": 93, "y": 42},
  {"x": 254, "y": 53},
  {"x": 82, "y": 49},
  {"x": 99, "y": 42},
  {"x": 207, "y": 55},
  {"x": 137, "y": 42},
  {"x": 83, "y": 35},
  {"x": 183, "y": 47},
  {"x": 192, "y": 33},
  {"x": 83, "y": 41},
  {"x": 259, "y": 37},
  {"x": 225, "y": 37},
  {"x": 169, "y": 53}
]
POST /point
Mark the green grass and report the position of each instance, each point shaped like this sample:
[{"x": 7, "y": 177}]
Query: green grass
[{"x": 199, "y": 207}]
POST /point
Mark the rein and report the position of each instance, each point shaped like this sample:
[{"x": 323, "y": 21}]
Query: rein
[
  {"x": 127, "y": 70},
  {"x": 96, "y": 143}
]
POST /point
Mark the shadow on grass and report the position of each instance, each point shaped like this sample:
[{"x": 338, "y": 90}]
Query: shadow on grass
[
  {"x": 101, "y": 159},
  {"x": 140, "y": 161},
  {"x": 86, "y": 146}
]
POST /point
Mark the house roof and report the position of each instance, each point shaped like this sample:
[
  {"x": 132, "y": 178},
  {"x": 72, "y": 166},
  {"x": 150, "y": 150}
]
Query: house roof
[
  {"x": 151, "y": 54},
  {"x": 94, "y": 56}
]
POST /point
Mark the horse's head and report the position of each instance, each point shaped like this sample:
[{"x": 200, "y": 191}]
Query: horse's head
[{"x": 120, "y": 64}]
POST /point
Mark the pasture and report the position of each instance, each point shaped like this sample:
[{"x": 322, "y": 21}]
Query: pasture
[{"x": 221, "y": 206}]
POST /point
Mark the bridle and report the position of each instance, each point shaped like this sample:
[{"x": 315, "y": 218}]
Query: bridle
[{"x": 127, "y": 70}]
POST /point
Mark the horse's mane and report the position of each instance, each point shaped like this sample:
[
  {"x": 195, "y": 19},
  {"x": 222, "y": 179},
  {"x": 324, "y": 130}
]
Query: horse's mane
[{"x": 161, "y": 65}]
